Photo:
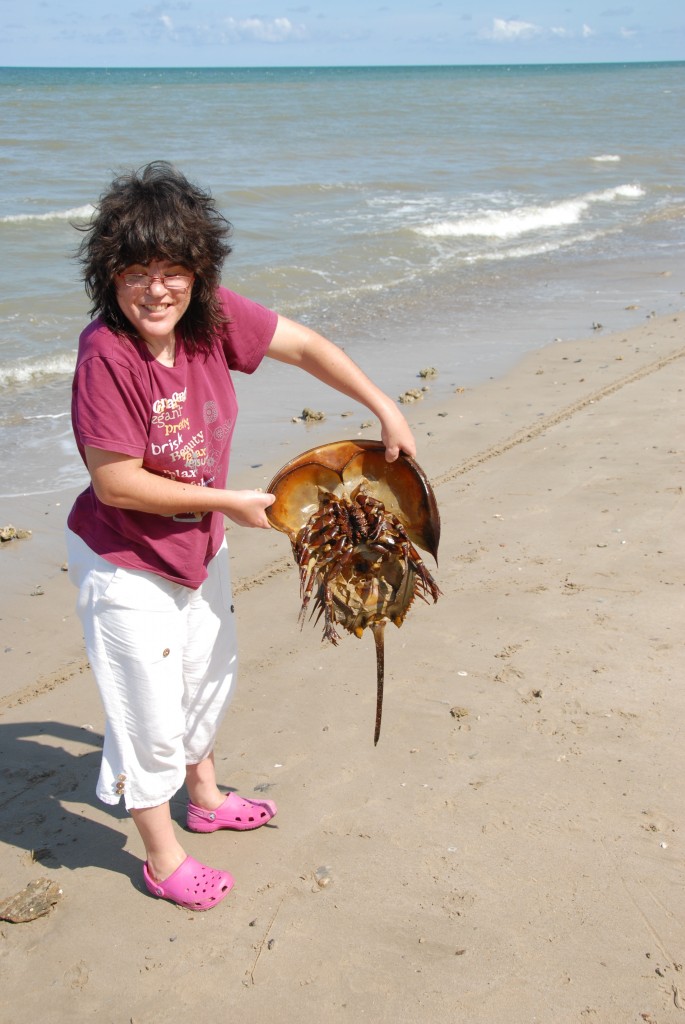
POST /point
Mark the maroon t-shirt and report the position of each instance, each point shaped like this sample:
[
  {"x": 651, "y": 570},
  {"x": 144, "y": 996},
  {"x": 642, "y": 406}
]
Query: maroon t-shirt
[{"x": 179, "y": 419}]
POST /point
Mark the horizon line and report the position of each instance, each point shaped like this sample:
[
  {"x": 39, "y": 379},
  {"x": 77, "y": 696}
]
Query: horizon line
[{"x": 324, "y": 67}]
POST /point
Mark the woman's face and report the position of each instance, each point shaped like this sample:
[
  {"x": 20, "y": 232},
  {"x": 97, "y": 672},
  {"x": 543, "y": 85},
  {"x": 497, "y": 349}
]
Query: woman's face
[{"x": 153, "y": 298}]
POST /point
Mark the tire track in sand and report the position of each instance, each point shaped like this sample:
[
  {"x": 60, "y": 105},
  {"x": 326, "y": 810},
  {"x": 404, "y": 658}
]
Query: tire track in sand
[{"x": 541, "y": 425}]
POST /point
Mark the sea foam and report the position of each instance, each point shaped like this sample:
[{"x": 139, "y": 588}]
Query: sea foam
[
  {"x": 77, "y": 213},
  {"x": 33, "y": 370},
  {"x": 521, "y": 220}
]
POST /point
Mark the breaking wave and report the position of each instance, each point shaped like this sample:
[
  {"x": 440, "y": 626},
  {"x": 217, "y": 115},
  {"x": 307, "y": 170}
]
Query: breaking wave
[
  {"x": 524, "y": 219},
  {"x": 33, "y": 370},
  {"x": 77, "y": 213}
]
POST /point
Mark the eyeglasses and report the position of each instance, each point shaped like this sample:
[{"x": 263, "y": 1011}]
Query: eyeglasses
[{"x": 172, "y": 282}]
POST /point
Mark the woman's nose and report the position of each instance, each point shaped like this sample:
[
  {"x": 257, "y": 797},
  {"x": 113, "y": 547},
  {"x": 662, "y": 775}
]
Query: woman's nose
[{"x": 156, "y": 285}]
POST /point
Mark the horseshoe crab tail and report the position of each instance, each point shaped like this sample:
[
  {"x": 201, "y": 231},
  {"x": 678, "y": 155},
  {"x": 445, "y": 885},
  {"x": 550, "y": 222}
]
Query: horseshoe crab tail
[{"x": 378, "y": 629}]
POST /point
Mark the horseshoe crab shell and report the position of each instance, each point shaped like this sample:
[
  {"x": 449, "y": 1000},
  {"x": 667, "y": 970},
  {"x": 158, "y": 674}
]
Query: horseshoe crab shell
[
  {"x": 353, "y": 520},
  {"x": 339, "y": 467}
]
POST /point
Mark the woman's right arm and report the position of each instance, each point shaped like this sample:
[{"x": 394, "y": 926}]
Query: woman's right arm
[{"x": 123, "y": 482}]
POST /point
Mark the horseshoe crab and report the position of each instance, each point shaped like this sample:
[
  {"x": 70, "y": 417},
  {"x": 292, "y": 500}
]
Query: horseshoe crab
[{"x": 353, "y": 520}]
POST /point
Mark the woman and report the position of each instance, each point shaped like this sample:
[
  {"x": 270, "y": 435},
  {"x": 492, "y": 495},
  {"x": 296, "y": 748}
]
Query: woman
[{"x": 153, "y": 413}]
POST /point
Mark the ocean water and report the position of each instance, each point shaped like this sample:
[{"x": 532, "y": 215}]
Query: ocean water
[{"x": 453, "y": 217}]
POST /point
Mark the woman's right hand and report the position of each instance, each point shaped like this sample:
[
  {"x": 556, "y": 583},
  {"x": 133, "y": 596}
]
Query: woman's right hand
[{"x": 248, "y": 508}]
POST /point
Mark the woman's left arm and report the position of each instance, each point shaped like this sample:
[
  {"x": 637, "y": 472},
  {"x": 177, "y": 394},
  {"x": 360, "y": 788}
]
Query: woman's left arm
[{"x": 297, "y": 345}]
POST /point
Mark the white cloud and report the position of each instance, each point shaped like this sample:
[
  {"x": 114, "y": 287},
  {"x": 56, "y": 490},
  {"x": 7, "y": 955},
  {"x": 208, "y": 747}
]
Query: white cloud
[
  {"x": 278, "y": 30},
  {"x": 515, "y": 31},
  {"x": 504, "y": 30},
  {"x": 167, "y": 22},
  {"x": 627, "y": 33}
]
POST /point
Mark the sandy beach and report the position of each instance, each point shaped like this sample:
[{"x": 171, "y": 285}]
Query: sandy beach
[{"x": 512, "y": 850}]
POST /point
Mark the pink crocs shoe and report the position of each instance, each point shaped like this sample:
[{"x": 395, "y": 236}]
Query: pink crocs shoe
[
  {"x": 192, "y": 885},
  {"x": 235, "y": 813}
]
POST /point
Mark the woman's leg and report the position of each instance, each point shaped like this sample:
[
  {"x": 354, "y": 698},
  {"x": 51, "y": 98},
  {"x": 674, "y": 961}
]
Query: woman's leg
[
  {"x": 135, "y": 625},
  {"x": 210, "y": 663},
  {"x": 201, "y": 784},
  {"x": 163, "y": 851},
  {"x": 210, "y": 666},
  {"x": 135, "y": 628}
]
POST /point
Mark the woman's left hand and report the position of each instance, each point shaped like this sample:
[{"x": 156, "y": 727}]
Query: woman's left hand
[{"x": 396, "y": 435}]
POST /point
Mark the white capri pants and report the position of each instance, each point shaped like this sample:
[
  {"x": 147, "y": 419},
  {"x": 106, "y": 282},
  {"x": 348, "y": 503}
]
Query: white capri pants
[{"x": 164, "y": 658}]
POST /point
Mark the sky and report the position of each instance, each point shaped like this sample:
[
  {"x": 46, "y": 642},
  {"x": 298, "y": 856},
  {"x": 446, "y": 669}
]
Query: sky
[{"x": 277, "y": 33}]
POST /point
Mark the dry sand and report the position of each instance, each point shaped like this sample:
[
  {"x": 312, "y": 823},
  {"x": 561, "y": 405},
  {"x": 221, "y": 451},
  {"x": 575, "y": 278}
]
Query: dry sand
[{"x": 512, "y": 851}]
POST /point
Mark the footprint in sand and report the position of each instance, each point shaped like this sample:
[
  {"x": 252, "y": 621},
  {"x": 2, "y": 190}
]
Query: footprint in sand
[{"x": 76, "y": 977}]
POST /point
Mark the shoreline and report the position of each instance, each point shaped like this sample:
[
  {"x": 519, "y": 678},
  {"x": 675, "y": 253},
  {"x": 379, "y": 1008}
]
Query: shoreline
[
  {"x": 512, "y": 848},
  {"x": 469, "y": 342}
]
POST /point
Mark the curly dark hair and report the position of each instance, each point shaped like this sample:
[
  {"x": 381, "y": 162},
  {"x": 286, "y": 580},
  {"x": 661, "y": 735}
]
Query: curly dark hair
[{"x": 155, "y": 213}]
